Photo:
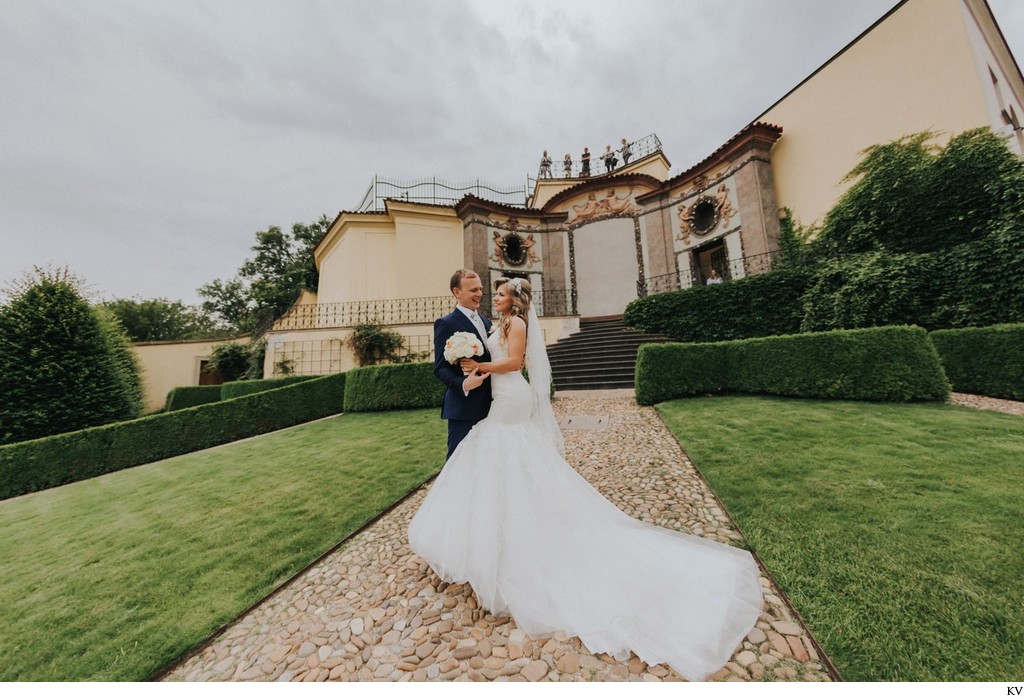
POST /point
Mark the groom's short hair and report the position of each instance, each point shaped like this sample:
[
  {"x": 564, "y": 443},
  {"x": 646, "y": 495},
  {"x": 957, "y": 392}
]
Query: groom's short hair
[{"x": 459, "y": 275}]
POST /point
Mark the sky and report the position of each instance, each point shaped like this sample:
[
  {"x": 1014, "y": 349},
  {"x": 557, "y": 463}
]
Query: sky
[{"x": 143, "y": 144}]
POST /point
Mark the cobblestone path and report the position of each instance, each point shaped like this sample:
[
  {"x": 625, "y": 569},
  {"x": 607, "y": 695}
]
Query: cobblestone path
[
  {"x": 373, "y": 610},
  {"x": 987, "y": 403}
]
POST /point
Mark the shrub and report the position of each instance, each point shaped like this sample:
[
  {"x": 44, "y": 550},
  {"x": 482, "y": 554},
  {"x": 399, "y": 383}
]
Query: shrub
[
  {"x": 235, "y": 361},
  {"x": 189, "y": 396},
  {"x": 988, "y": 361},
  {"x": 62, "y": 459},
  {"x": 768, "y": 304},
  {"x": 64, "y": 365},
  {"x": 882, "y": 364},
  {"x": 390, "y": 387},
  {"x": 232, "y": 390},
  {"x": 373, "y": 344}
]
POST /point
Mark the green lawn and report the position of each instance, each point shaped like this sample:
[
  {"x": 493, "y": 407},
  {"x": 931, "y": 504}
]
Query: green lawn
[
  {"x": 896, "y": 529},
  {"x": 115, "y": 577}
]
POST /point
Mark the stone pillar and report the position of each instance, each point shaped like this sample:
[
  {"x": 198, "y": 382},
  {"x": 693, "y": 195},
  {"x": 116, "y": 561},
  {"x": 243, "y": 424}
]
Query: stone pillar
[
  {"x": 755, "y": 194},
  {"x": 475, "y": 248}
]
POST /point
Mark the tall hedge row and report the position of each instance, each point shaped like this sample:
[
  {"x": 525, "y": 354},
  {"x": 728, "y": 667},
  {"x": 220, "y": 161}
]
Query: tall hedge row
[
  {"x": 188, "y": 396},
  {"x": 881, "y": 364},
  {"x": 988, "y": 361},
  {"x": 244, "y": 387},
  {"x": 393, "y": 387},
  {"x": 768, "y": 304},
  {"x": 62, "y": 459}
]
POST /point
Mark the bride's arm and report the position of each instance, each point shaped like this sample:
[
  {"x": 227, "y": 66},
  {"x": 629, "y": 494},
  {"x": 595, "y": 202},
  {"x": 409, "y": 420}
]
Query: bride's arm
[{"x": 516, "y": 350}]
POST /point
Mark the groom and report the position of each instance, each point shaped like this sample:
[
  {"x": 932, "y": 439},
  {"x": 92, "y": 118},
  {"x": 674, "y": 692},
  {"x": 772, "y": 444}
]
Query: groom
[{"x": 468, "y": 398}]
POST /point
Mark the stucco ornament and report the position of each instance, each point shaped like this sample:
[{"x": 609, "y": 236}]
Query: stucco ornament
[
  {"x": 705, "y": 214},
  {"x": 609, "y": 205}
]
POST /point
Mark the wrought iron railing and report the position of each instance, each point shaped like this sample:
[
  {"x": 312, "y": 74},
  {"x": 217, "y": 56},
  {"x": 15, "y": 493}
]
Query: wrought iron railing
[
  {"x": 391, "y": 312},
  {"x": 435, "y": 191},
  {"x": 386, "y": 312},
  {"x": 732, "y": 269},
  {"x": 641, "y": 148},
  {"x": 326, "y": 356},
  {"x": 547, "y": 302}
]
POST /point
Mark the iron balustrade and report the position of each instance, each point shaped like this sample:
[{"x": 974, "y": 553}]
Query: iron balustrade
[
  {"x": 395, "y": 312},
  {"x": 388, "y": 312},
  {"x": 546, "y": 302},
  {"x": 435, "y": 191},
  {"x": 733, "y": 269},
  {"x": 641, "y": 148}
]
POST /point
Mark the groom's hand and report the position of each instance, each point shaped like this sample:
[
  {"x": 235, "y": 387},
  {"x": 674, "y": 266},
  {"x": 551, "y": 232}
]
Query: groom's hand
[{"x": 475, "y": 379}]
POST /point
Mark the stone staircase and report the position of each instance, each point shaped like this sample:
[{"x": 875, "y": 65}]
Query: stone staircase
[{"x": 602, "y": 355}]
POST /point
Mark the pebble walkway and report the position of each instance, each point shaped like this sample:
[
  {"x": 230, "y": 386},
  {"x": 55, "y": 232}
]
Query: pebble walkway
[
  {"x": 373, "y": 610},
  {"x": 987, "y": 403}
]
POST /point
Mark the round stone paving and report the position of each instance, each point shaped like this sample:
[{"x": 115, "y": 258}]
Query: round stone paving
[{"x": 373, "y": 610}]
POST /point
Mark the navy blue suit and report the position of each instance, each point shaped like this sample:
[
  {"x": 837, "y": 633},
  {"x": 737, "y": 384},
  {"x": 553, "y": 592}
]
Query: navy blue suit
[{"x": 462, "y": 412}]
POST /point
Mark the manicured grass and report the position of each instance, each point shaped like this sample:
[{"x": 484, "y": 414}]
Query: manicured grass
[
  {"x": 895, "y": 529},
  {"x": 114, "y": 577}
]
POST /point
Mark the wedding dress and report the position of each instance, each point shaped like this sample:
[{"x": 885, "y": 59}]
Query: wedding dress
[{"x": 536, "y": 541}]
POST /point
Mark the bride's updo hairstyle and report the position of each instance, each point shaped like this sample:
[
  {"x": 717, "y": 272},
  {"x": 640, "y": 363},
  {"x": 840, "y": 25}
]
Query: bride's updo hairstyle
[{"x": 521, "y": 293}]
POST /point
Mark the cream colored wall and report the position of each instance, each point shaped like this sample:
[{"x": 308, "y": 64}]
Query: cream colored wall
[
  {"x": 172, "y": 364},
  {"x": 913, "y": 72},
  {"x": 361, "y": 264},
  {"x": 429, "y": 249}
]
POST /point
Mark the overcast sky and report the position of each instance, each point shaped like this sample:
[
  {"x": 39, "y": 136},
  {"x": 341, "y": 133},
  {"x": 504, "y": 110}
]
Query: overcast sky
[{"x": 143, "y": 144}]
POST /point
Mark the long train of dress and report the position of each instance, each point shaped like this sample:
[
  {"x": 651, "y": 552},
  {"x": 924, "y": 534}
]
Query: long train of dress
[{"x": 510, "y": 516}]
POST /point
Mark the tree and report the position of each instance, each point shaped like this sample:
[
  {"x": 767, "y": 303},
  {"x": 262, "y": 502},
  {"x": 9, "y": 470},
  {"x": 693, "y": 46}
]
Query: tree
[
  {"x": 64, "y": 365},
  {"x": 269, "y": 282},
  {"x": 162, "y": 319}
]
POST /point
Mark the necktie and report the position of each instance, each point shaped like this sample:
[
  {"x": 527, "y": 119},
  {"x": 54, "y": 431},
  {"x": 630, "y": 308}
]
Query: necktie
[{"x": 475, "y": 317}]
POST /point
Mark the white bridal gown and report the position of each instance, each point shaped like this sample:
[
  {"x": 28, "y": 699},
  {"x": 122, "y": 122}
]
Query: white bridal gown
[{"x": 536, "y": 541}]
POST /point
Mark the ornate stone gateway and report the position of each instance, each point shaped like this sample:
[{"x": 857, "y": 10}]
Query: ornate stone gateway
[{"x": 595, "y": 244}]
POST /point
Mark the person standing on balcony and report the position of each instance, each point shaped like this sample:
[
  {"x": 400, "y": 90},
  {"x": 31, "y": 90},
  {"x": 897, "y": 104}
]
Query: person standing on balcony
[
  {"x": 713, "y": 278},
  {"x": 545, "y": 165},
  {"x": 567, "y": 164},
  {"x": 626, "y": 152},
  {"x": 610, "y": 161},
  {"x": 585, "y": 163}
]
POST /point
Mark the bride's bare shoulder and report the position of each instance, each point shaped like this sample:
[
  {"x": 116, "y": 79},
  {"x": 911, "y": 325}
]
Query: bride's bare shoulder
[{"x": 517, "y": 323}]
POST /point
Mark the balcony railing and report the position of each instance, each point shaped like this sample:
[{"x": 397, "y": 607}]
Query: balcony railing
[
  {"x": 435, "y": 191},
  {"x": 394, "y": 312},
  {"x": 641, "y": 148},
  {"x": 732, "y": 269},
  {"x": 388, "y": 312}
]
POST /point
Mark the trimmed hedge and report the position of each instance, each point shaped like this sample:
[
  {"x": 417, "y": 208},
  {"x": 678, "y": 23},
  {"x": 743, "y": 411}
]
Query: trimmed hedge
[
  {"x": 232, "y": 390},
  {"x": 189, "y": 396},
  {"x": 62, "y": 459},
  {"x": 988, "y": 361},
  {"x": 391, "y": 387},
  {"x": 895, "y": 363},
  {"x": 760, "y": 305}
]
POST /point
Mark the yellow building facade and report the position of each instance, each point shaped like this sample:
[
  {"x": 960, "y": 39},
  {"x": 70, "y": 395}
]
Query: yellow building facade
[{"x": 590, "y": 245}]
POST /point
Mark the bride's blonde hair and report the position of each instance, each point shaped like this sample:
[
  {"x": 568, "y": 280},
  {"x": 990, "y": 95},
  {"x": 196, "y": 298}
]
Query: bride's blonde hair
[{"x": 521, "y": 293}]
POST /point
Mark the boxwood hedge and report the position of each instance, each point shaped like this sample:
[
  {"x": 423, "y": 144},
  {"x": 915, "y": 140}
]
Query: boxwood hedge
[
  {"x": 391, "y": 387},
  {"x": 232, "y": 390},
  {"x": 988, "y": 361},
  {"x": 894, "y": 363},
  {"x": 761, "y": 305},
  {"x": 188, "y": 396},
  {"x": 34, "y": 465}
]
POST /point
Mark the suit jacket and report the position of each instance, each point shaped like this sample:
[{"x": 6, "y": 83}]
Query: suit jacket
[{"x": 458, "y": 406}]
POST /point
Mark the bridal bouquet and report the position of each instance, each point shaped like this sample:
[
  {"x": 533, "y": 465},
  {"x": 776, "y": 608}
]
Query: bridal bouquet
[{"x": 462, "y": 345}]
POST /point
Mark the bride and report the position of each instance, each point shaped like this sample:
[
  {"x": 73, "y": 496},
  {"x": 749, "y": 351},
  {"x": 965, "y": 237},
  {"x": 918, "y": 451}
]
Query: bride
[{"x": 535, "y": 540}]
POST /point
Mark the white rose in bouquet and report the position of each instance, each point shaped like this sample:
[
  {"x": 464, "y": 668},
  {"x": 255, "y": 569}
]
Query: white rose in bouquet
[{"x": 461, "y": 346}]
